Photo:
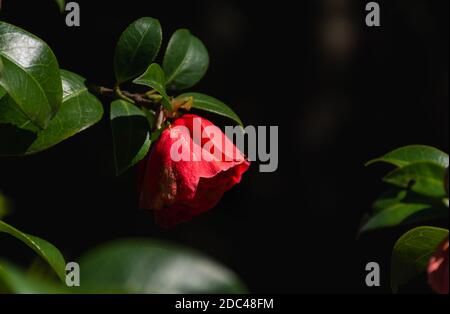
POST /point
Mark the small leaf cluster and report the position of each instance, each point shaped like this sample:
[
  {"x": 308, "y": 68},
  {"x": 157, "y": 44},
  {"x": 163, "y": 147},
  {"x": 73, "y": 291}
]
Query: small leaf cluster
[
  {"x": 418, "y": 194},
  {"x": 184, "y": 64},
  {"x": 42, "y": 105}
]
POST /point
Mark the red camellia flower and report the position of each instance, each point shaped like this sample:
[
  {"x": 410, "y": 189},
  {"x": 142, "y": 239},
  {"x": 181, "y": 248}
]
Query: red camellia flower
[
  {"x": 438, "y": 269},
  {"x": 188, "y": 170}
]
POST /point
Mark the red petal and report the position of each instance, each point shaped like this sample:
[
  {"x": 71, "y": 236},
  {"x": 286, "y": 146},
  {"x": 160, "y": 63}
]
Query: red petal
[
  {"x": 438, "y": 269},
  {"x": 179, "y": 190}
]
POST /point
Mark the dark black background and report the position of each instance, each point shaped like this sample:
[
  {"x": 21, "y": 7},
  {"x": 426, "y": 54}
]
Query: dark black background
[{"x": 340, "y": 92}]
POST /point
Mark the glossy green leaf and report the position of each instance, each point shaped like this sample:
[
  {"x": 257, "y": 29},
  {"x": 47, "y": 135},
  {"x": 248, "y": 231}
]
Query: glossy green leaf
[
  {"x": 43, "y": 248},
  {"x": 147, "y": 266},
  {"x": 412, "y": 154},
  {"x": 136, "y": 49},
  {"x": 61, "y": 4},
  {"x": 211, "y": 104},
  {"x": 389, "y": 199},
  {"x": 79, "y": 111},
  {"x": 412, "y": 253},
  {"x": 402, "y": 207},
  {"x": 154, "y": 78},
  {"x": 26, "y": 92},
  {"x": 131, "y": 135},
  {"x": 424, "y": 178},
  {"x": 17, "y": 281},
  {"x": 30, "y": 74},
  {"x": 17, "y": 132},
  {"x": 186, "y": 60}
]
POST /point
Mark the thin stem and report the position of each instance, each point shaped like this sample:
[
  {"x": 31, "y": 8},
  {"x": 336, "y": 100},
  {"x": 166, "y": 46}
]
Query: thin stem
[
  {"x": 122, "y": 95},
  {"x": 135, "y": 98},
  {"x": 160, "y": 118}
]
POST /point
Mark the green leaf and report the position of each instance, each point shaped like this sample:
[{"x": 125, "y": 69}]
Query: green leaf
[
  {"x": 136, "y": 49},
  {"x": 412, "y": 154},
  {"x": 154, "y": 78},
  {"x": 389, "y": 199},
  {"x": 61, "y": 4},
  {"x": 15, "y": 280},
  {"x": 412, "y": 253},
  {"x": 403, "y": 214},
  {"x": 402, "y": 207},
  {"x": 79, "y": 111},
  {"x": 148, "y": 266},
  {"x": 424, "y": 178},
  {"x": 17, "y": 132},
  {"x": 43, "y": 248},
  {"x": 131, "y": 135},
  {"x": 30, "y": 74},
  {"x": 393, "y": 216},
  {"x": 210, "y": 104},
  {"x": 186, "y": 60}
]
